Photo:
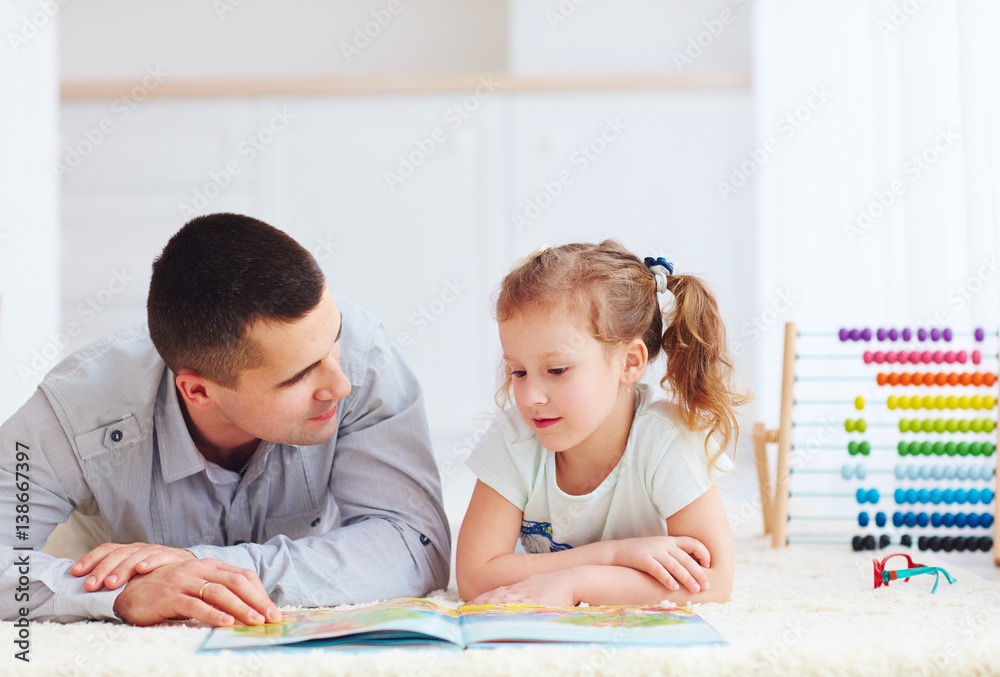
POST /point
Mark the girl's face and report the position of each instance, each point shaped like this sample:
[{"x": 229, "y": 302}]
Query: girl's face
[{"x": 565, "y": 384}]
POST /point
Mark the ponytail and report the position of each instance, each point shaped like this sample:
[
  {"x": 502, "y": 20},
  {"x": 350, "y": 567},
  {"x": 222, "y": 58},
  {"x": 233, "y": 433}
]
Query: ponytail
[{"x": 699, "y": 367}]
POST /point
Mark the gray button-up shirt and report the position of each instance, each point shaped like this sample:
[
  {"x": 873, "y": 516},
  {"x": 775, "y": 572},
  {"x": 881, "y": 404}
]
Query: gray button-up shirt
[{"x": 356, "y": 518}]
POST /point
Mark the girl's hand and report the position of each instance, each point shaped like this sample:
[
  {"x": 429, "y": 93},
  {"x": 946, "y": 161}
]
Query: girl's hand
[
  {"x": 668, "y": 559},
  {"x": 554, "y": 589}
]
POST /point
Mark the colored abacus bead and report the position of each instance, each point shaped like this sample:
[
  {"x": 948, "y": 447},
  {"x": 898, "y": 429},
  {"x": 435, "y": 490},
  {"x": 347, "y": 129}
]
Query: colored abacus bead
[
  {"x": 844, "y": 334},
  {"x": 866, "y": 334},
  {"x": 893, "y": 335},
  {"x": 946, "y": 334},
  {"x": 855, "y": 334},
  {"x": 862, "y": 519},
  {"x": 906, "y": 541},
  {"x": 906, "y": 334},
  {"x": 977, "y": 357},
  {"x": 980, "y": 334},
  {"x": 859, "y": 403},
  {"x": 869, "y": 542},
  {"x": 880, "y": 334},
  {"x": 884, "y": 541},
  {"x": 949, "y": 357},
  {"x": 935, "y": 334},
  {"x": 857, "y": 544},
  {"x": 921, "y": 334}
]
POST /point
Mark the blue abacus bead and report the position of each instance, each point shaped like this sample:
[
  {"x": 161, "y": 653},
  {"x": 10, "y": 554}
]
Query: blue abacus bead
[
  {"x": 855, "y": 334},
  {"x": 985, "y": 520},
  {"x": 911, "y": 496},
  {"x": 946, "y": 334},
  {"x": 961, "y": 496},
  {"x": 973, "y": 520},
  {"x": 960, "y": 520},
  {"x": 949, "y": 472},
  {"x": 973, "y": 496},
  {"x": 935, "y": 334},
  {"x": 880, "y": 519},
  {"x": 899, "y": 496},
  {"x": 921, "y": 334},
  {"x": 937, "y": 472},
  {"x": 900, "y": 470},
  {"x": 880, "y": 334},
  {"x": 980, "y": 334},
  {"x": 936, "y": 519},
  {"x": 873, "y": 496},
  {"x": 897, "y": 519},
  {"x": 925, "y": 472},
  {"x": 846, "y": 471},
  {"x": 906, "y": 334},
  {"x": 844, "y": 334},
  {"x": 923, "y": 496},
  {"x": 861, "y": 471},
  {"x": 962, "y": 472},
  {"x": 986, "y": 496},
  {"x": 948, "y": 496},
  {"x": 935, "y": 496},
  {"x": 947, "y": 520},
  {"x": 893, "y": 334},
  {"x": 910, "y": 519},
  {"x": 862, "y": 519},
  {"x": 913, "y": 472},
  {"x": 922, "y": 519}
]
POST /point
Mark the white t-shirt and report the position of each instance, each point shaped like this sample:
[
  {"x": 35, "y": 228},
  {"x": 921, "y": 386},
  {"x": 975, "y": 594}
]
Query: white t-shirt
[{"x": 664, "y": 468}]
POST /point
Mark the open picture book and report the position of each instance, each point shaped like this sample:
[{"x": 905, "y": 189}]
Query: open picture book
[{"x": 422, "y": 622}]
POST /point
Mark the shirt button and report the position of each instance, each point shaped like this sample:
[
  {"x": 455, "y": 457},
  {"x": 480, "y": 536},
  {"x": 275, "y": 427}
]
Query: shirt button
[
  {"x": 424, "y": 540},
  {"x": 239, "y": 542},
  {"x": 116, "y": 436}
]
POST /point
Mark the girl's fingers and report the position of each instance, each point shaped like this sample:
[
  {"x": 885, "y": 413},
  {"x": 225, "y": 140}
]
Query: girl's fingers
[
  {"x": 696, "y": 548},
  {"x": 694, "y": 575}
]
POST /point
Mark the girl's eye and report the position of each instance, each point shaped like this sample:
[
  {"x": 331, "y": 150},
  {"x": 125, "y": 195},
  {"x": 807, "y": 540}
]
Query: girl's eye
[
  {"x": 558, "y": 371},
  {"x": 517, "y": 373}
]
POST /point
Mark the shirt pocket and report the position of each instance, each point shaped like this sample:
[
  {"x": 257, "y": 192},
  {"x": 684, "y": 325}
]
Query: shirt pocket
[{"x": 299, "y": 501}]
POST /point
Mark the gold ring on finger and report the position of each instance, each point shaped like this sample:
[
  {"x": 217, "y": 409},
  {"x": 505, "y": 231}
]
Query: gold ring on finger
[{"x": 201, "y": 590}]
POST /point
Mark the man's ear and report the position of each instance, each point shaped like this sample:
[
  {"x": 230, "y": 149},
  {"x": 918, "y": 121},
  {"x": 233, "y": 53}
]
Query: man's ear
[
  {"x": 195, "y": 389},
  {"x": 635, "y": 360}
]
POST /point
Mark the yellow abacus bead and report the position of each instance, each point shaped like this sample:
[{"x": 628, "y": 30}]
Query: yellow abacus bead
[
  {"x": 904, "y": 402},
  {"x": 939, "y": 402},
  {"x": 859, "y": 403},
  {"x": 963, "y": 401},
  {"x": 951, "y": 425},
  {"x": 861, "y": 425},
  {"x": 989, "y": 402},
  {"x": 952, "y": 402},
  {"x": 939, "y": 425},
  {"x": 849, "y": 425},
  {"x": 928, "y": 402},
  {"x": 892, "y": 401},
  {"x": 976, "y": 402}
]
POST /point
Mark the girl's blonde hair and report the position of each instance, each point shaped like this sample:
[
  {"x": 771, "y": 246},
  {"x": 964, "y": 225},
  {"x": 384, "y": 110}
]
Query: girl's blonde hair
[{"x": 616, "y": 294}]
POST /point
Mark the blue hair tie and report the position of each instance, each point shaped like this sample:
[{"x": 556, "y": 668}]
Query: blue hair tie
[
  {"x": 660, "y": 268},
  {"x": 659, "y": 261}
]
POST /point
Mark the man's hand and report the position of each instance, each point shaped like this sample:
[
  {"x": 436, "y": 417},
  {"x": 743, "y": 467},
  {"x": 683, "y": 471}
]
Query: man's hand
[
  {"x": 554, "y": 588},
  {"x": 668, "y": 559},
  {"x": 113, "y": 564},
  {"x": 206, "y": 590}
]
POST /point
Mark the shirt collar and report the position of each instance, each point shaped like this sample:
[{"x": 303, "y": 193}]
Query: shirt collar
[{"x": 179, "y": 457}]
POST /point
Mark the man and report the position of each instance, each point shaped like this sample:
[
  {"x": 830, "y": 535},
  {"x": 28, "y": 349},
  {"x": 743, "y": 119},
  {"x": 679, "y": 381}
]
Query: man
[{"x": 262, "y": 444}]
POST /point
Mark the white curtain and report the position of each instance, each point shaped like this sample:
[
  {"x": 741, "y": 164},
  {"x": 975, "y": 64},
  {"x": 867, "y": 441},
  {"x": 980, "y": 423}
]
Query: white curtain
[{"x": 876, "y": 167}]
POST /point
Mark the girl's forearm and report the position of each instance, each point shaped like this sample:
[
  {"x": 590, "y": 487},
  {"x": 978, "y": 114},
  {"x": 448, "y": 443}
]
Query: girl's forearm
[
  {"x": 515, "y": 567},
  {"x": 617, "y": 585}
]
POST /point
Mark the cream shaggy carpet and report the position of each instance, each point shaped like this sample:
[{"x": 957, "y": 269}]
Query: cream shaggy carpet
[{"x": 806, "y": 610}]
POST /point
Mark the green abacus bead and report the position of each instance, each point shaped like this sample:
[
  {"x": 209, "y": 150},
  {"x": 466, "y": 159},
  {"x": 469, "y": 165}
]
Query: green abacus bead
[
  {"x": 938, "y": 448},
  {"x": 849, "y": 425},
  {"x": 963, "y": 448},
  {"x": 925, "y": 448},
  {"x": 975, "y": 449},
  {"x": 976, "y": 425},
  {"x": 865, "y": 448},
  {"x": 990, "y": 448},
  {"x": 963, "y": 425},
  {"x": 901, "y": 448},
  {"x": 952, "y": 425},
  {"x": 989, "y": 425},
  {"x": 904, "y": 425},
  {"x": 861, "y": 425},
  {"x": 852, "y": 448},
  {"x": 914, "y": 448},
  {"x": 950, "y": 448},
  {"x": 927, "y": 425},
  {"x": 939, "y": 425}
]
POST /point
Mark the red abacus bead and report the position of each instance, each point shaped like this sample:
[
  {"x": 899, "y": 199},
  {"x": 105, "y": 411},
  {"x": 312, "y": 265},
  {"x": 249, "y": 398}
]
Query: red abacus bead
[
  {"x": 977, "y": 379},
  {"x": 928, "y": 379},
  {"x": 953, "y": 379},
  {"x": 903, "y": 379},
  {"x": 989, "y": 379},
  {"x": 881, "y": 379},
  {"x": 868, "y": 357},
  {"x": 941, "y": 378},
  {"x": 890, "y": 357},
  {"x": 977, "y": 357},
  {"x": 949, "y": 357},
  {"x": 879, "y": 357},
  {"x": 962, "y": 356},
  {"x": 926, "y": 357},
  {"x": 965, "y": 378},
  {"x": 938, "y": 357}
]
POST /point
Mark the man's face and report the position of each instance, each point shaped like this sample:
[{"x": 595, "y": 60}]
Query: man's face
[{"x": 291, "y": 398}]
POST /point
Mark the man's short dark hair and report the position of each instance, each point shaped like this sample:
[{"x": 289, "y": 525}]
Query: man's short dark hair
[{"x": 216, "y": 277}]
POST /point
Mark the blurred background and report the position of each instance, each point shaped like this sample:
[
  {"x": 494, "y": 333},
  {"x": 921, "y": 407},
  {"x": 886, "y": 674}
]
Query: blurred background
[{"x": 832, "y": 164}]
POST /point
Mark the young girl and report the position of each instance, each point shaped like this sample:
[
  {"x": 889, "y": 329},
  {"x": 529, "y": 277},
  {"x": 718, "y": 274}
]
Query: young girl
[{"x": 610, "y": 491}]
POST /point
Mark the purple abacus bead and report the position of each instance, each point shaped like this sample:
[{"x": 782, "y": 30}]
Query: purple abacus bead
[
  {"x": 946, "y": 334},
  {"x": 977, "y": 357},
  {"x": 980, "y": 334},
  {"x": 907, "y": 334},
  {"x": 893, "y": 334},
  {"x": 962, "y": 356},
  {"x": 949, "y": 357},
  {"x": 938, "y": 357},
  {"x": 868, "y": 357},
  {"x": 921, "y": 334},
  {"x": 866, "y": 334},
  {"x": 855, "y": 334},
  {"x": 935, "y": 334},
  {"x": 926, "y": 357},
  {"x": 879, "y": 357},
  {"x": 880, "y": 334},
  {"x": 843, "y": 334}
]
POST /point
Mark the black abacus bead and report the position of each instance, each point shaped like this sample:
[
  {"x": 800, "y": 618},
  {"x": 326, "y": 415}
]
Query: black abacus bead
[
  {"x": 906, "y": 541},
  {"x": 972, "y": 543},
  {"x": 922, "y": 543},
  {"x": 985, "y": 543},
  {"x": 857, "y": 544},
  {"x": 934, "y": 543},
  {"x": 947, "y": 544},
  {"x": 883, "y": 541},
  {"x": 869, "y": 542},
  {"x": 960, "y": 544}
]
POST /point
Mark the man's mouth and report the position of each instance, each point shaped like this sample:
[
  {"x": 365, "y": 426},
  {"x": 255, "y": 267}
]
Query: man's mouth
[{"x": 325, "y": 417}]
